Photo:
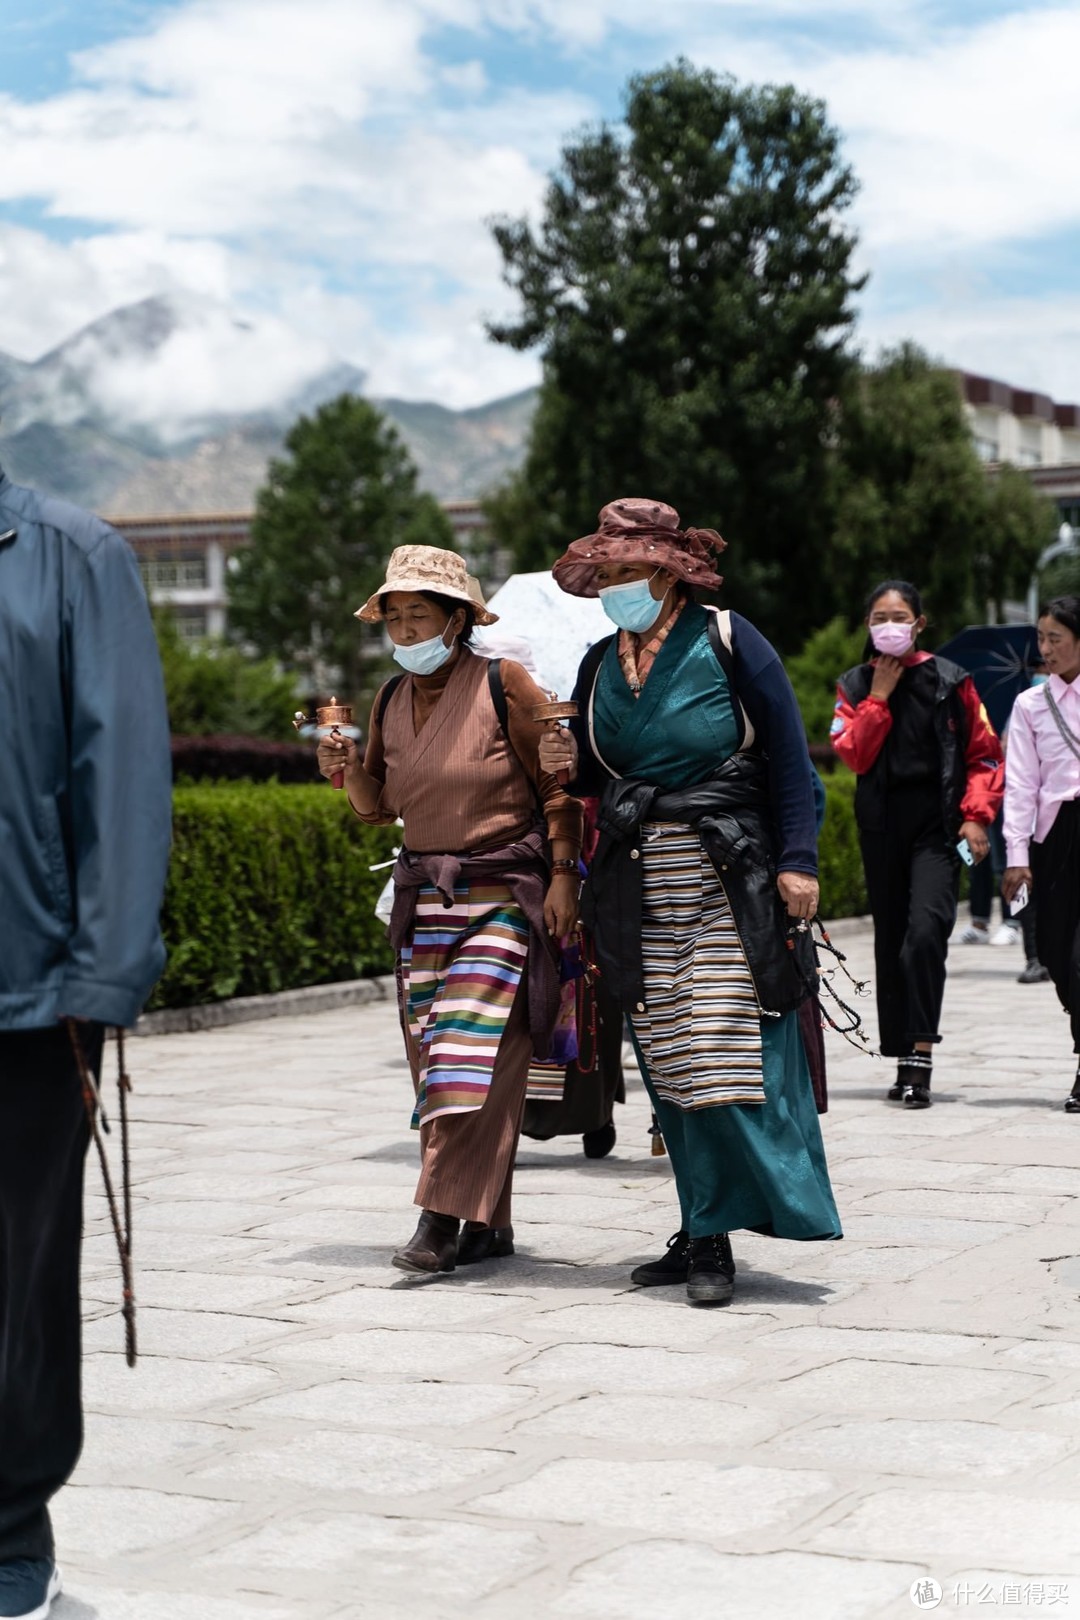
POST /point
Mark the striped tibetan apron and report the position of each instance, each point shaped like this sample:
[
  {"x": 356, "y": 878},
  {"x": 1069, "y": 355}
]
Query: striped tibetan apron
[
  {"x": 700, "y": 1034},
  {"x": 460, "y": 974}
]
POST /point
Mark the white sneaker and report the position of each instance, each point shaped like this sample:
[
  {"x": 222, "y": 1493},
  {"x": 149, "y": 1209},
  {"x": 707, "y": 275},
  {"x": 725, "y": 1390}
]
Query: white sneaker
[
  {"x": 975, "y": 934},
  {"x": 1007, "y": 934}
]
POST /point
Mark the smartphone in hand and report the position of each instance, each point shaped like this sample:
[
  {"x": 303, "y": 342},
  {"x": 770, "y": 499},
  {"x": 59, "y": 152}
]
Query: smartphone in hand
[{"x": 963, "y": 849}]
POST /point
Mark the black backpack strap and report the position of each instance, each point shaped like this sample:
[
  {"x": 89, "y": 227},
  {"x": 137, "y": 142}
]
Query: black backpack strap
[
  {"x": 387, "y": 693},
  {"x": 498, "y": 693},
  {"x": 588, "y": 670}
]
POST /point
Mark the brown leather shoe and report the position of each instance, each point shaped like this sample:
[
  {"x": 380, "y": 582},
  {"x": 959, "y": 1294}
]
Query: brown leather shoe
[
  {"x": 432, "y": 1247},
  {"x": 484, "y": 1243}
]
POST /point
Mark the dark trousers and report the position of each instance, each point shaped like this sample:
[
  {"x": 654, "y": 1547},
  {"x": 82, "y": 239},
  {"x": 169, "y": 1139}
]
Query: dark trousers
[
  {"x": 1055, "y": 871},
  {"x": 912, "y": 880},
  {"x": 43, "y": 1140}
]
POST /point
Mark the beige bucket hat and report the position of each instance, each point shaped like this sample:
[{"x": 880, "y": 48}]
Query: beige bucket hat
[{"x": 427, "y": 568}]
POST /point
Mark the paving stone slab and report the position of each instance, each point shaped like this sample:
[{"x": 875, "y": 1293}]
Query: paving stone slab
[
  {"x": 1027, "y": 1530},
  {"x": 314, "y": 1436},
  {"x": 926, "y": 1447},
  {"x": 680, "y": 1580},
  {"x": 680, "y": 1497},
  {"x": 369, "y": 1464}
]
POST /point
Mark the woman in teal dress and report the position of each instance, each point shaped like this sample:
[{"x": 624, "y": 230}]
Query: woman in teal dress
[{"x": 703, "y": 885}]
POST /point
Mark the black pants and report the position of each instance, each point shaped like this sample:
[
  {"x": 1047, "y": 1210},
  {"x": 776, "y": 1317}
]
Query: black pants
[
  {"x": 1055, "y": 871},
  {"x": 913, "y": 881},
  {"x": 589, "y": 1097},
  {"x": 43, "y": 1140}
]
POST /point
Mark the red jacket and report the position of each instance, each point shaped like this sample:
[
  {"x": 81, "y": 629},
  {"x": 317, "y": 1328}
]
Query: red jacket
[{"x": 860, "y": 727}]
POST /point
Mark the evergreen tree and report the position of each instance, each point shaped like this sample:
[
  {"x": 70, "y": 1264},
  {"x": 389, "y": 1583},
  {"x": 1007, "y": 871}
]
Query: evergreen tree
[
  {"x": 332, "y": 510},
  {"x": 690, "y": 290}
]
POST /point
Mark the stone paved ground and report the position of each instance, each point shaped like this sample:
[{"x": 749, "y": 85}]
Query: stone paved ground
[{"x": 310, "y": 1435}]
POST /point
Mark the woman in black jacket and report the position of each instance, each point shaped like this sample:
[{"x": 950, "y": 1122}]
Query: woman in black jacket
[{"x": 930, "y": 770}]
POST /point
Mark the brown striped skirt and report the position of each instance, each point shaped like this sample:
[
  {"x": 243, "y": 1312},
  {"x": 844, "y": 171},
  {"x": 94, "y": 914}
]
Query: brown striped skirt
[{"x": 700, "y": 1032}]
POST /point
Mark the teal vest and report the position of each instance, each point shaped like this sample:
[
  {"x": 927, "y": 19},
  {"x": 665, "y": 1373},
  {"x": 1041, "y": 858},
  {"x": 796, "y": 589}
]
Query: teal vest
[{"x": 683, "y": 724}]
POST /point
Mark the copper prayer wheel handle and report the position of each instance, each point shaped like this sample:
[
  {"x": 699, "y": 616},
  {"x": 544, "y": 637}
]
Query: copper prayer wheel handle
[
  {"x": 332, "y": 715},
  {"x": 551, "y": 714}
]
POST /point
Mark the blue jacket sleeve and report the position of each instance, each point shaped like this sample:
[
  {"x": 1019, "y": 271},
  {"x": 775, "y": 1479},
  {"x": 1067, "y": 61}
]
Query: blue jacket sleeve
[
  {"x": 767, "y": 697},
  {"x": 120, "y": 806}
]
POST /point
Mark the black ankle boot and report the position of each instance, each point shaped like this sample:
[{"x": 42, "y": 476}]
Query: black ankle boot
[
  {"x": 478, "y": 1242},
  {"x": 432, "y": 1247},
  {"x": 712, "y": 1270},
  {"x": 916, "y": 1087},
  {"x": 912, "y": 1083},
  {"x": 673, "y": 1268},
  {"x": 599, "y": 1143},
  {"x": 1072, "y": 1101}
]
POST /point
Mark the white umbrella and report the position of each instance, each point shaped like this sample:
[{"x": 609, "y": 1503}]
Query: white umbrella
[{"x": 558, "y": 629}]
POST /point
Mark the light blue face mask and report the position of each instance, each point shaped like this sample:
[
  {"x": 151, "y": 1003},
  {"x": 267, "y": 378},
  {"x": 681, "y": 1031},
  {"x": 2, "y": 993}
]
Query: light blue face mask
[
  {"x": 632, "y": 606},
  {"x": 424, "y": 657}
]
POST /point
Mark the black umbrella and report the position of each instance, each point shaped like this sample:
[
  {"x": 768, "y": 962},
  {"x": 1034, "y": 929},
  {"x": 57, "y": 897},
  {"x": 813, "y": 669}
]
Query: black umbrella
[{"x": 1001, "y": 659}]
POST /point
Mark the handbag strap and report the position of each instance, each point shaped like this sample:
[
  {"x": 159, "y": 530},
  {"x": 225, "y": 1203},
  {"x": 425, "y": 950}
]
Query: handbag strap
[{"x": 1061, "y": 723}]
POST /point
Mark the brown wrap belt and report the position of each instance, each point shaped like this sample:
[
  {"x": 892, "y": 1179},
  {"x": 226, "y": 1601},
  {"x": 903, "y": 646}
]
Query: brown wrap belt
[{"x": 523, "y": 866}]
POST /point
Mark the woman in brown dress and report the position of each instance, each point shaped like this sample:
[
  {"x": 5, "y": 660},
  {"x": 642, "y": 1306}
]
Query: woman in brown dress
[{"x": 487, "y": 881}]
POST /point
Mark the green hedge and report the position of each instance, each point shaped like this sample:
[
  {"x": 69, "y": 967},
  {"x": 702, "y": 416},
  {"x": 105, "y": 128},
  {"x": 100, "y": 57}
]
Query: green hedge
[
  {"x": 843, "y": 887},
  {"x": 269, "y": 889}
]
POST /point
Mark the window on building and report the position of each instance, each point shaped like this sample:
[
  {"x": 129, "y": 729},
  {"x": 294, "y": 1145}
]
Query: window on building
[
  {"x": 191, "y": 623},
  {"x": 987, "y": 449},
  {"x": 1030, "y": 458},
  {"x": 174, "y": 573}
]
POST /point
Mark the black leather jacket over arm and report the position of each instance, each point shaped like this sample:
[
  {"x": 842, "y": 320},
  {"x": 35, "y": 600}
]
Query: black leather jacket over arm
[{"x": 730, "y": 811}]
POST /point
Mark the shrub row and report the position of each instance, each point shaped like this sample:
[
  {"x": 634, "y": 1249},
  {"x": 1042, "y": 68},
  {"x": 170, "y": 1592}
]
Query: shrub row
[
  {"x": 231, "y": 759},
  {"x": 270, "y": 888},
  {"x": 843, "y": 887}
]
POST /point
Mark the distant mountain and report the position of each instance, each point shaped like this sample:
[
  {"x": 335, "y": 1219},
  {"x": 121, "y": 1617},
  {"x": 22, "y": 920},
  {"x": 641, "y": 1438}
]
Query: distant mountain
[{"x": 173, "y": 405}]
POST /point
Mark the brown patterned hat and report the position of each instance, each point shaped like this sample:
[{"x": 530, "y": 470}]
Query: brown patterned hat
[
  {"x": 428, "y": 568},
  {"x": 633, "y": 530}
]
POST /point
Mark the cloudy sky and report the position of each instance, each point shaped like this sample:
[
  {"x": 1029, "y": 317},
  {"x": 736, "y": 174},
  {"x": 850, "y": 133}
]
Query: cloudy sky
[{"x": 325, "y": 168}]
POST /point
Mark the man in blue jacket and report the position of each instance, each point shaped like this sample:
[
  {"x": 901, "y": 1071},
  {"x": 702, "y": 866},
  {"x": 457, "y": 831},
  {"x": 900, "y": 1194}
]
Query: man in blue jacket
[{"x": 84, "y": 840}]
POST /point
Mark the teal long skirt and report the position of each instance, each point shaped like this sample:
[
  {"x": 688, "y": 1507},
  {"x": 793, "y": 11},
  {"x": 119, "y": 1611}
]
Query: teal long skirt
[{"x": 753, "y": 1166}]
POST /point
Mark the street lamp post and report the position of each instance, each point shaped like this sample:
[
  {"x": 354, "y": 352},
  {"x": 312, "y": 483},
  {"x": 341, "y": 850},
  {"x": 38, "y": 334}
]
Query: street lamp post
[{"x": 1063, "y": 546}]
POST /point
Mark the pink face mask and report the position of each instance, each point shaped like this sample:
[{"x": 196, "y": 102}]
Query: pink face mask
[{"x": 894, "y": 640}]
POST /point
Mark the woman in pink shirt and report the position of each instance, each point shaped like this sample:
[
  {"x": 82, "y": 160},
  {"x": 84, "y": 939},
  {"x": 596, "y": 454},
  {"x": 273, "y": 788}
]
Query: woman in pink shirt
[{"x": 1042, "y": 808}]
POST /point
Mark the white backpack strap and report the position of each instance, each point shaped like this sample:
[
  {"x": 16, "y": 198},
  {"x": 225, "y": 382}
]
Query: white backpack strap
[{"x": 723, "y": 624}]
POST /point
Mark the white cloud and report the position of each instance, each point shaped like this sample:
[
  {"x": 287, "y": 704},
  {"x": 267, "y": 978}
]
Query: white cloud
[
  {"x": 1027, "y": 341},
  {"x": 318, "y": 163},
  {"x": 959, "y": 137},
  {"x": 50, "y": 289}
]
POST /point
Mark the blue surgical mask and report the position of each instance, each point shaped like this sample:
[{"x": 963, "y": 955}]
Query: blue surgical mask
[
  {"x": 632, "y": 606},
  {"x": 424, "y": 657}
]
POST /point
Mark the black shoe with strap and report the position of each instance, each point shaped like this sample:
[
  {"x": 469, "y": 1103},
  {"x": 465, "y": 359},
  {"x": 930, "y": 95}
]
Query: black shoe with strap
[
  {"x": 673, "y": 1268},
  {"x": 712, "y": 1270}
]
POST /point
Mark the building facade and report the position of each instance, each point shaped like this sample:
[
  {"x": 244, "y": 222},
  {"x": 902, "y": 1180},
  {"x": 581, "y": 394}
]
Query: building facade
[
  {"x": 184, "y": 559},
  {"x": 1019, "y": 426}
]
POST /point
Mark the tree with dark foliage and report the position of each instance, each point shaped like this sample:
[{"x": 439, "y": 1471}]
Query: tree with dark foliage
[{"x": 690, "y": 290}]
